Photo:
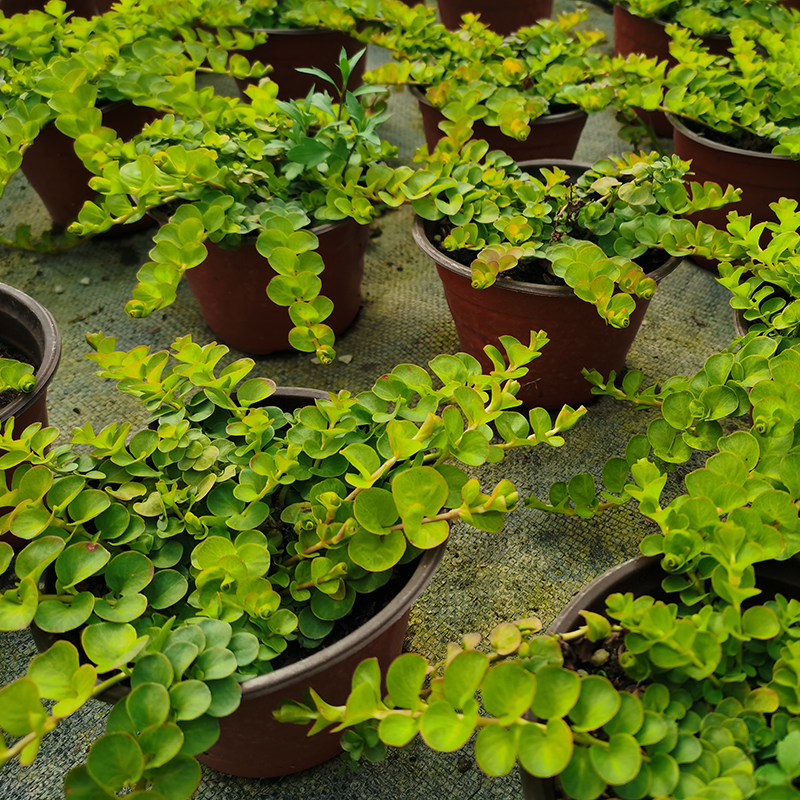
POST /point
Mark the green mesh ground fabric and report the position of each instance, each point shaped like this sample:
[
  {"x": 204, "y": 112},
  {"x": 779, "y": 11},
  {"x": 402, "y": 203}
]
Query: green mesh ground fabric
[{"x": 532, "y": 568}]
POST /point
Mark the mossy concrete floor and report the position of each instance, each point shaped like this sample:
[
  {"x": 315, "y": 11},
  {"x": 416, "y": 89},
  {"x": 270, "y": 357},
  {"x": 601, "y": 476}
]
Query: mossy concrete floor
[{"x": 532, "y": 568}]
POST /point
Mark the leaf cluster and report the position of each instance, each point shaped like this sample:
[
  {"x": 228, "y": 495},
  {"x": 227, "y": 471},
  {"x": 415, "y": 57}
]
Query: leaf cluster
[
  {"x": 711, "y": 706},
  {"x": 588, "y": 231},
  {"x": 748, "y": 97},
  {"x": 705, "y": 17},
  {"x": 230, "y": 514},
  {"x": 473, "y": 73}
]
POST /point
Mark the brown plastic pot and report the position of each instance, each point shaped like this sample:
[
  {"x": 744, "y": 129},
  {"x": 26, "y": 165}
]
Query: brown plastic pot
[
  {"x": 579, "y": 337},
  {"x": 252, "y": 744},
  {"x": 27, "y": 327},
  {"x": 286, "y": 49},
  {"x": 81, "y": 8},
  {"x": 763, "y": 177},
  {"x": 58, "y": 176},
  {"x": 502, "y": 16},
  {"x": 642, "y": 576},
  {"x": 551, "y": 136},
  {"x": 634, "y": 34},
  {"x": 231, "y": 288}
]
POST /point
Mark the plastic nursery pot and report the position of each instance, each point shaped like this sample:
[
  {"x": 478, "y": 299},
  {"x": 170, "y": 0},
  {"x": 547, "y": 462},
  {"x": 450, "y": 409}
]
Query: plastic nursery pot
[
  {"x": 82, "y": 8},
  {"x": 551, "y": 136},
  {"x": 642, "y": 576},
  {"x": 634, "y": 34},
  {"x": 231, "y": 288},
  {"x": 763, "y": 177},
  {"x": 27, "y": 329},
  {"x": 252, "y": 744},
  {"x": 502, "y": 16},
  {"x": 58, "y": 176},
  {"x": 286, "y": 49},
  {"x": 579, "y": 337}
]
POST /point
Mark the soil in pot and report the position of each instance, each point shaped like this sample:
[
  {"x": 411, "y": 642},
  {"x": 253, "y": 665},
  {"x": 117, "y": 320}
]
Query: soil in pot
[
  {"x": 231, "y": 288},
  {"x": 59, "y": 177},
  {"x": 287, "y": 49},
  {"x": 762, "y": 176},
  {"x": 502, "y": 16},
  {"x": 555, "y": 135}
]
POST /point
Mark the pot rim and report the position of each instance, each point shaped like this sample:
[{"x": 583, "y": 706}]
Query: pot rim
[
  {"x": 51, "y": 346},
  {"x": 598, "y": 588},
  {"x": 424, "y": 243},
  {"x": 546, "y": 119},
  {"x": 250, "y": 238},
  {"x": 623, "y": 7},
  {"x": 726, "y": 148},
  {"x": 327, "y": 657},
  {"x": 292, "y": 31}
]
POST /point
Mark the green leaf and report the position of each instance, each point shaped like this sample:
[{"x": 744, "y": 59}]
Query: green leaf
[
  {"x": 55, "y": 616},
  {"x": 580, "y": 779},
  {"x": 557, "y": 691},
  {"x": 496, "y": 750},
  {"x": 160, "y": 744},
  {"x": 177, "y": 779},
  {"x": 442, "y": 728},
  {"x": 167, "y": 588},
  {"x": 190, "y": 699},
  {"x": 376, "y": 553},
  {"x": 129, "y": 572},
  {"x": 115, "y": 761},
  {"x": 618, "y": 760},
  {"x": 545, "y": 751},
  {"x": 148, "y": 704},
  {"x": 397, "y": 730},
  {"x": 199, "y": 734},
  {"x": 18, "y": 606},
  {"x": 20, "y": 707},
  {"x": 111, "y": 645},
  {"x": 760, "y": 622},
  {"x": 404, "y": 679},
  {"x": 80, "y": 561},
  {"x": 463, "y": 677},
  {"x": 597, "y": 704},
  {"x": 508, "y": 690}
]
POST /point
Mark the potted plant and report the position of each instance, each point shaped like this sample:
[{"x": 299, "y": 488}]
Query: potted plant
[
  {"x": 259, "y": 526},
  {"x": 724, "y": 118},
  {"x": 689, "y": 690},
  {"x": 268, "y": 194},
  {"x": 504, "y": 17},
  {"x": 764, "y": 281},
  {"x": 297, "y": 37},
  {"x": 640, "y": 25},
  {"x": 527, "y": 94},
  {"x": 65, "y": 77},
  {"x": 574, "y": 249}
]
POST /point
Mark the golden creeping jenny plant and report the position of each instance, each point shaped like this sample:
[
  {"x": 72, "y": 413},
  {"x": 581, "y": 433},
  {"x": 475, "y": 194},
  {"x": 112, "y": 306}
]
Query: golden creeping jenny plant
[
  {"x": 189, "y": 555},
  {"x": 710, "y": 700}
]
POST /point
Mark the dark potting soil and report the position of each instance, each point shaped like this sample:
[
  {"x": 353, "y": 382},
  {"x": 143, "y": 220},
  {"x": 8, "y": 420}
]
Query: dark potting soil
[
  {"x": 366, "y": 606},
  {"x": 599, "y": 658},
  {"x": 536, "y": 270},
  {"x": 743, "y": 140},
  {"x": 8, "y": 351}
]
